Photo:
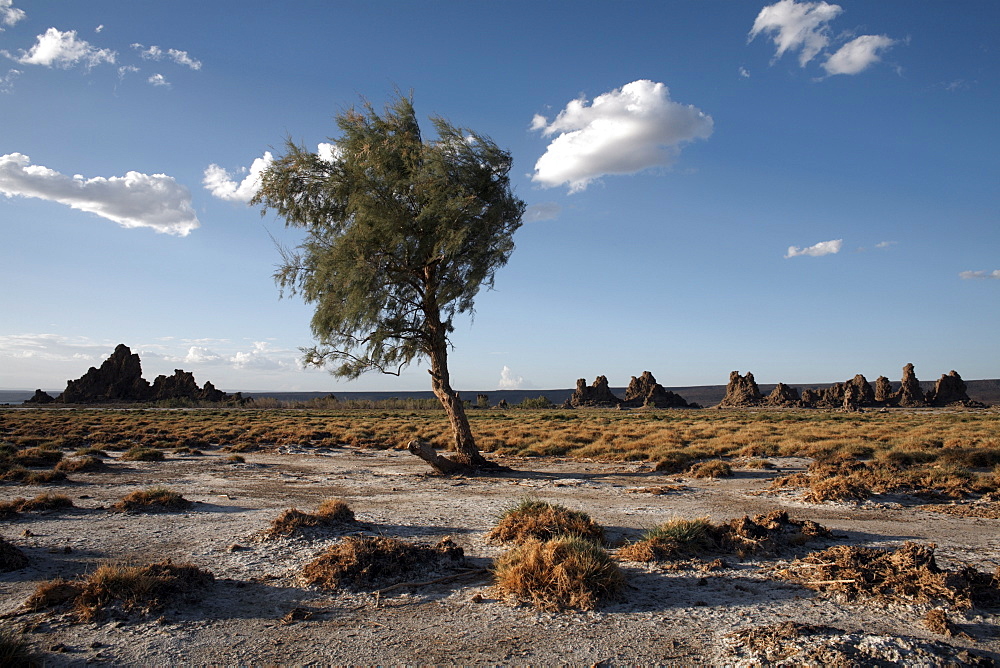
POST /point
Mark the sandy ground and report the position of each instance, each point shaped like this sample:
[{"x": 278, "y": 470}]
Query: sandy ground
[{"x": 258, "y": 613}]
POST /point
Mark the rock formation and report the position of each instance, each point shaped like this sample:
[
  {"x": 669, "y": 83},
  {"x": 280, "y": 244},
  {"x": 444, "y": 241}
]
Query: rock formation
[
  {"x": 741, "y": 391},
  {"x": 598, "y": 395},
  {"x": 864, "y": 394},
  {"x": 883, "y": 390},
  {"x": 950, "y": 389},
  {"x": 119, "y": 380},
  {"x": 40, "y": 397},
  {"x": 783, "y": 396},
  {"x": 645, "y": 391},
  {"x": 909, "y": 395}
]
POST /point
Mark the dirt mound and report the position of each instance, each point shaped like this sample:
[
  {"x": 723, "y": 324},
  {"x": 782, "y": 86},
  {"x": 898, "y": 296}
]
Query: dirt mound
[
  {"x": 795, "y": 644},
  {"x": 366, "y": 561},
  {"x": 907, "y": 574},
  {"x": 121, "y": 587},
  {"x": 11, "y": 557},
  {"x": 154, "y": 499}
]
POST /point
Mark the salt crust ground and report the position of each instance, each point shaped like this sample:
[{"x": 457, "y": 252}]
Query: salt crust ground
[{"x": 666, "y": 617}]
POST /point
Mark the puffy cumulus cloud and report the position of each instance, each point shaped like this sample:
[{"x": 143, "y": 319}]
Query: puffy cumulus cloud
[
  {"x": 625, "y": 131},
  {"x": 223, "y": 185},
  {"x": 176, "y": 55},
  {"x": 259, "y": 359},
  {"x": 9, "y": 14},
  {"x": 796, "y": 26},
  {"x": 542, "y": 211},
  {"x": 857, "y": 55},
  {"x": 64, "y": 49},
  {"x": 156, "y": 201},
  {"x": 202, "y": 355},
  {"x": 158, "y": 80},
  {"x": 328, "y": 152},
  {"x": 817, "y": 250},
  {"x": 509, "y": 380},
  {"x": 970, "y": 275}
]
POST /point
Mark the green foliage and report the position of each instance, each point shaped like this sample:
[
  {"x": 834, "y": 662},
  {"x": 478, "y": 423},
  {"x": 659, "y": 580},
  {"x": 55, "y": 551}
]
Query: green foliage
[
  {"x": 537, "y": 402},
  {"x": 401, "y": 233}
]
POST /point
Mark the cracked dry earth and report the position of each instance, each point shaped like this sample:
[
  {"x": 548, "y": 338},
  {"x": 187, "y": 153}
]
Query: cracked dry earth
[{"x": 257, "y": 612}]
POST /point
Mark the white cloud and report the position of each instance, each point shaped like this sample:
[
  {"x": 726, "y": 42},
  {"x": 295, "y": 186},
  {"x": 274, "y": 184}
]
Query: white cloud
[
  {"x": 822, "y": 248},
  {"x": 796, "y": 26},
  {"x": 9, "y": 15},
  {"x": 328, "y": 152},
  {"x": 541, "y": 211},
  {"x": 967, "y": 275},
  {"x": 7, "y": 80},
  {"x": 202, "y": 355},
  {"x": 126, "y": 69},
  {"x": 158, "y": 80},
  {"x": 222, "y": 184},
  {"x": 135, "y": 200},
  {"x": 258, "y": 359},
  {"x": 176, "y": 55},
  {"x": 624, "y": 131},
  {"x": 508, "y": 380},
  {"x": 885, "y": 244},
  {"x": 63, "y": 49},
  {"x": 744, "y": 73},
  {"x": 857, "y": 55},
  {"x": 99, "y": 28}
]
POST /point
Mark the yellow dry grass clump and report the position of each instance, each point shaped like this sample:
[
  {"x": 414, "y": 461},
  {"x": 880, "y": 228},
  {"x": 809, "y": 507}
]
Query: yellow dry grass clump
[
  {"x": 562, "y": 573},
  {"x": 541, "y": 520},
  {"x": 330, "y": 513},
  {"x": 365, "y": 561},
  {"x": 151, "y": 500}
]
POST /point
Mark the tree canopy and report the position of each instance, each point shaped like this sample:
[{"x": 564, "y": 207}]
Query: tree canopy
[{"x": 401, "y": 234}]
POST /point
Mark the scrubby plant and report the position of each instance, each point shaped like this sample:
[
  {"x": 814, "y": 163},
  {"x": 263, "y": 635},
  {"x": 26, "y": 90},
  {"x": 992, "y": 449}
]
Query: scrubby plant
[
  {"x": 151, "y": 500},
  {"x": 41, "y": 502},
  {"x": 139, "y": 453},
  {"x": 76, "y": 464},
  {"x": 371, "y": 560},
  {"x": 674, "y": 539},
  {"x": 562, "y": 573},
  {"x": 713, "y": 468},
  {"x": 331, "y": 512},
  {"x": 236, "y": 459},
  {"x": 541, "y": 520}
]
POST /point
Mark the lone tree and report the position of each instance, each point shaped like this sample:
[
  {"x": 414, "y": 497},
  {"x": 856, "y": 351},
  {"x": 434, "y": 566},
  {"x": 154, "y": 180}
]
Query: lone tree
[{"x": 401, "y": 233}]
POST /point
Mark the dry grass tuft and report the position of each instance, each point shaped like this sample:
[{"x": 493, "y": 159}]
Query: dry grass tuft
[
  {"x": 330, "y": 514},
  {"x": 41, "y": 502},
  {"x": 15, "y": 652},
  {"x": 152, "y": 500},
  {"x": 563, "y": 573},
  {"x": 541, "y": 520},
  {"x": 11, "y": 557},
  {"x": 366, "y": 561},
  {"x": 714, "y": 468},
  {"x": 134, "y": 589},
  {"x": 907, "y": 574},
  {"x": 76, "y": 464},
  {"x": 138, "y": 453},
  {"x": 681, "y": 539}
]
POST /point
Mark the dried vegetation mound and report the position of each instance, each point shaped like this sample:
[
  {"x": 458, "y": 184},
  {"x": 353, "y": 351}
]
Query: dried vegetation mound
[
  {"x": 681, "y": 539},
  {"x": 371, "y": 561},
  {"x": 11, "y": 558},
  {"x": 795, "y": 644},
  {"x": 41, "y": 502},
  {"x": 908, "y": 574},
  {"x": 563, "y": 573},
  {"x": 541, "y": 520},
  {"x": 713, "y": 468},
  {"x": 332, "y": 513},
  {"x": 121, "y": 587},
  {"x": 80, "y": 464},
  {"x": 154, "y": 499}
]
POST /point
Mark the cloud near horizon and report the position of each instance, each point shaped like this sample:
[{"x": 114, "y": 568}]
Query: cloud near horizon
[
  {"x": 625, "y": 131},
  {"x": 55, "y": 48},
  {"x": 816, "y": 250},
  {"x": 508, "y": 380},
  {"x": 967, "y": 275},
  {"x": 156, "y": 201},
  {"x": 804, "y": 27}
]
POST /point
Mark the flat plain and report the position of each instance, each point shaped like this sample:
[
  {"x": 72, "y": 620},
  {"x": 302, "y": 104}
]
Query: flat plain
[{"x": 878, "y": 480}]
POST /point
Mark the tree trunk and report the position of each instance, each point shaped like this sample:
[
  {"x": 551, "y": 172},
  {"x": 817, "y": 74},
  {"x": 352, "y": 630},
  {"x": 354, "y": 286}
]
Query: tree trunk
[{"x": 466, "y": 451}]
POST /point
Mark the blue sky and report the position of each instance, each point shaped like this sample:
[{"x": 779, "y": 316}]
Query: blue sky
[{"x": 803, "y": 190}]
